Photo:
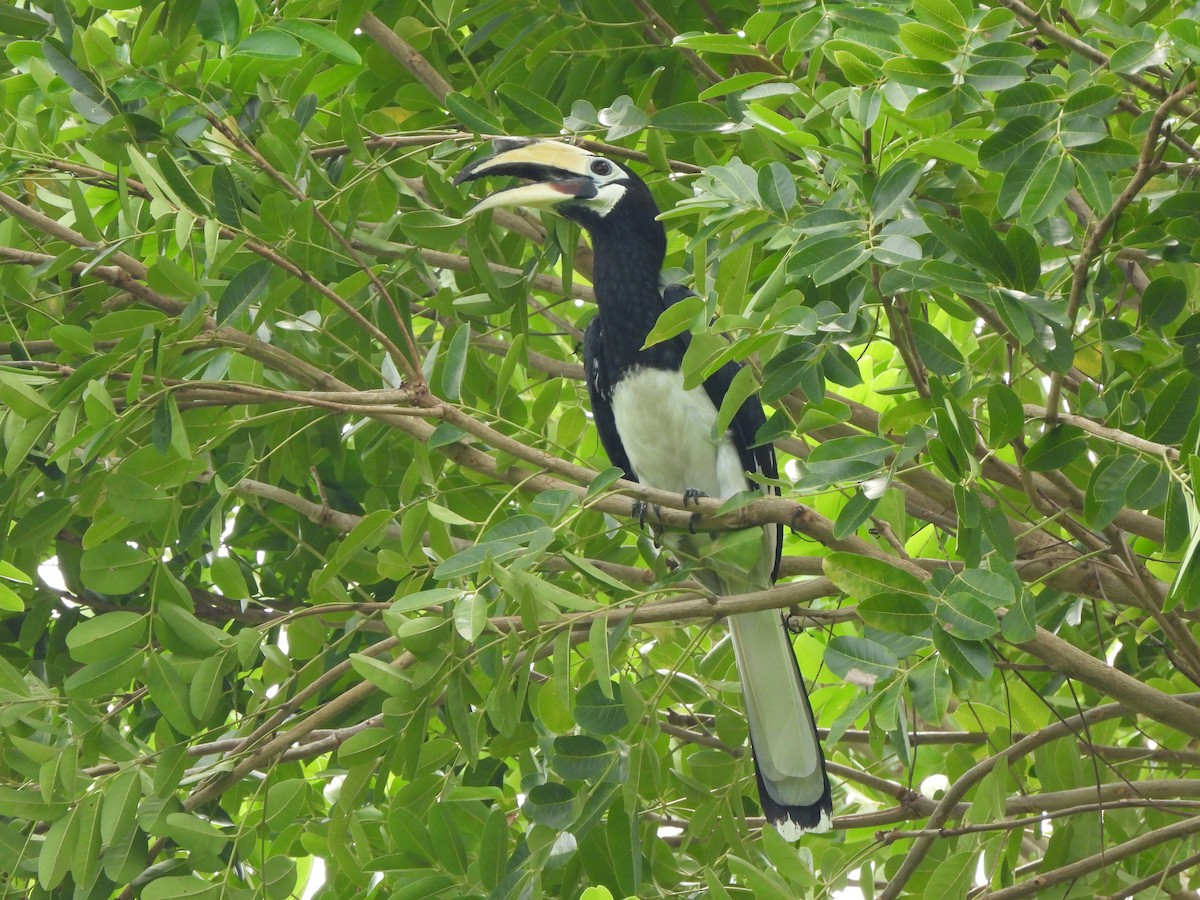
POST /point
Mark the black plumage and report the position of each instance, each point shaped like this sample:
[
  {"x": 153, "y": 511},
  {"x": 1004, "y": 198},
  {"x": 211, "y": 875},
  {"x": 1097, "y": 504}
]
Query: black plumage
[{"x": 660, "y": 434}]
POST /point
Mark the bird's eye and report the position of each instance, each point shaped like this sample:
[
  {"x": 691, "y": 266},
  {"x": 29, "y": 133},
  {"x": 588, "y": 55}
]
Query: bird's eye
[{"x": 601, "y": 167}]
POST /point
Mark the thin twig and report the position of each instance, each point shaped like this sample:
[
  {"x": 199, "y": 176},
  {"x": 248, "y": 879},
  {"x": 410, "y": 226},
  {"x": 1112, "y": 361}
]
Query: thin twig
[{"x": 1099, "y": 228}]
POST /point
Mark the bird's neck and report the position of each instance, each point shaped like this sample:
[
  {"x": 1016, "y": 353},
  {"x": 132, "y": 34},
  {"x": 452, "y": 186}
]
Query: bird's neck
[{"x": 625, "y": 275}]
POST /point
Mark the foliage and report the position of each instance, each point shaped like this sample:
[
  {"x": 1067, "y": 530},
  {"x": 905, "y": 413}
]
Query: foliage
[{"x": 313, "y": 553}]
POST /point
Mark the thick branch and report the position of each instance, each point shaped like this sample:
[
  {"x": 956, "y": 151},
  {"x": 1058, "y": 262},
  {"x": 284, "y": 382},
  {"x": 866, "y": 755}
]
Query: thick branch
[
  {"x": 1114, "y": 435},
  {"x": 1176, "y": 831},
  {"x": 1073, "y": 725},
  {"x": 405, "y": 54}
]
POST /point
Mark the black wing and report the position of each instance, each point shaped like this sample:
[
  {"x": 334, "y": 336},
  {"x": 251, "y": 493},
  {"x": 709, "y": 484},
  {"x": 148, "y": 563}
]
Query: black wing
[{"x": 600, "y": 393}]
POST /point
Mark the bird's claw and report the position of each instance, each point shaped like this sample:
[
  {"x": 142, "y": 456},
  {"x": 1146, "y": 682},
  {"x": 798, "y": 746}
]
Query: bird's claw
[
  {"x": 641, "y": 507},
  {"x": 692, "y": 496}
]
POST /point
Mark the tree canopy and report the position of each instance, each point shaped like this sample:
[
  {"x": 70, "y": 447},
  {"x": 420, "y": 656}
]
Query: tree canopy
[{"x": 315, "y": 577}]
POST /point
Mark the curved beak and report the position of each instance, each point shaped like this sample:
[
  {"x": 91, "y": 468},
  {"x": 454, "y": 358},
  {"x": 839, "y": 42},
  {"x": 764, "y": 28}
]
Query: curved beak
[{"x": 554, "y": 172}]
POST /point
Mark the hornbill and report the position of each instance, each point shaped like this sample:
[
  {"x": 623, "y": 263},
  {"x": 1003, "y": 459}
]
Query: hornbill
[{"x": 661, "y": 435}]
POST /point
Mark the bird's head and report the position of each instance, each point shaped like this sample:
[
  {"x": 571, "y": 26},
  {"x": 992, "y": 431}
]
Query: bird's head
[{"x": 602, "y": 195}]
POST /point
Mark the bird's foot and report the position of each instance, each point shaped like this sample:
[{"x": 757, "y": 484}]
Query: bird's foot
[
  {"x": 692, "y": 496},
  {"x": 641, "y": 507}
]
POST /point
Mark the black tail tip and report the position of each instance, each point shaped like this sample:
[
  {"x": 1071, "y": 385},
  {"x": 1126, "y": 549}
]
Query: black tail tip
[{"x": 793, "y": 821}]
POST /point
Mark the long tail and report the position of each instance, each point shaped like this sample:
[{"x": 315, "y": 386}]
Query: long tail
[{"x": 792, "y": 785}]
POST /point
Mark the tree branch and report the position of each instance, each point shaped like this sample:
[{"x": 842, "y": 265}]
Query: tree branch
[
  {"x": 1072, "y": 725},
  {"x": 1176, "y": 831},
  {"x": 1099, "y": 228}
]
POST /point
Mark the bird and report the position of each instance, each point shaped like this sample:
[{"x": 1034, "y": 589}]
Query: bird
[{"x": 661, "y": 434}]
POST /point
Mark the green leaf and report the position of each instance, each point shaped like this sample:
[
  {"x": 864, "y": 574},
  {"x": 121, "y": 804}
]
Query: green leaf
[
  {"x": 1106, "y": 490},
  {"x": 59, "y": 58},
  {"x": 686, "y": 314},
  {"x": 863, "y": 576},
  {"x": 839, "y": 366},
  {"x": 1174, "y": 409},
  {"x": 55, "y": 856},
  {"x": 550, "y": 804},
  {"x": 471, "y": 115},
  {"x": 22, "y": 22},
  {"x": 942, "y": 13},
  {"x": 998, "y": 152},
  {"x": 493, "y": 848},
  {"x": 106, "y": 636},
  {"x": 470, "y": 615},
  {"x": 1106, "y": 155},
  {"x": 455, "y": 363},
  {"x": 364, "y": 746},
  {"x": 269, "y": 43},
  {"x": 931, "y": 691},
  {"x": 218, "y": 20},
  {"x": 970, "y": 659},
  {"x": 929, "y": 42},
  {"x": 965, "y": 616},
  {"x": 532, "y": 110},
  {"x": 11, "y": 573},
  {"x": 852, "y": 516},
  {"x": 1056, "y": 449},
  {"x": 894, "y": 188},
  {"x": 321, "y": 38},
  {"x": 10, "y": 600},
  {"x": 902, "y": 613},
  {"x": 741, "y": 388},
  {"x": 227, "y": 576},
  {"x": 1134, "y": 56},
  {"x": 851, "y": 457},
  {"x": 115, "y": 568},
  {"x": 119, "y": 810},
  {"x": 990, "y": 587},
  {"x": 204, "y": 693},
  {"x": 598, "y": 713},
  {"x": 937, "y": 352},
  {"x": 226, "y": 198},
  {"x": 1185, "y": 33},
  {"x": 691, "y": 117},
  {"x": 1163, "y": 300},
  {"x": 580, "y": 757},
  {"x": 1027, "y": 263},
  {"x": 856, "y": 69},
  {"x": 1031, "y": 98},
  {"x": 445, "y": 434},
  {"x": 21, "y": 398},
  {"x": 1020, "y": 624},
  {"x": 169, "y": 693},
  {"x": 103, "y": 678},
  {"x": 195, "y": 834},
  {"x": 860, "y": 661},
  {"x": 777, "y": 188},
  {"x": 468, "y": 561},
  {"x": 919, "y": 73},
  {"x": 195, "y": 637},
  {"x": 387, "y": 678},
  {"x": 1006, "y": 415},
  {"x": 1047, "y": 186}
]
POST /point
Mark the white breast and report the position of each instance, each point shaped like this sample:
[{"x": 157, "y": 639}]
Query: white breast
[{"x": 667, "y": 434}]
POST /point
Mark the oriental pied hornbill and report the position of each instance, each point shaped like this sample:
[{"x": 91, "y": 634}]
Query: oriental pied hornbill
[{"x": 662, "y": 436}]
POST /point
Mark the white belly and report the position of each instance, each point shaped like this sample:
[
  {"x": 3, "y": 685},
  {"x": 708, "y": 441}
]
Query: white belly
[{"x": 667, "y": 434}]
